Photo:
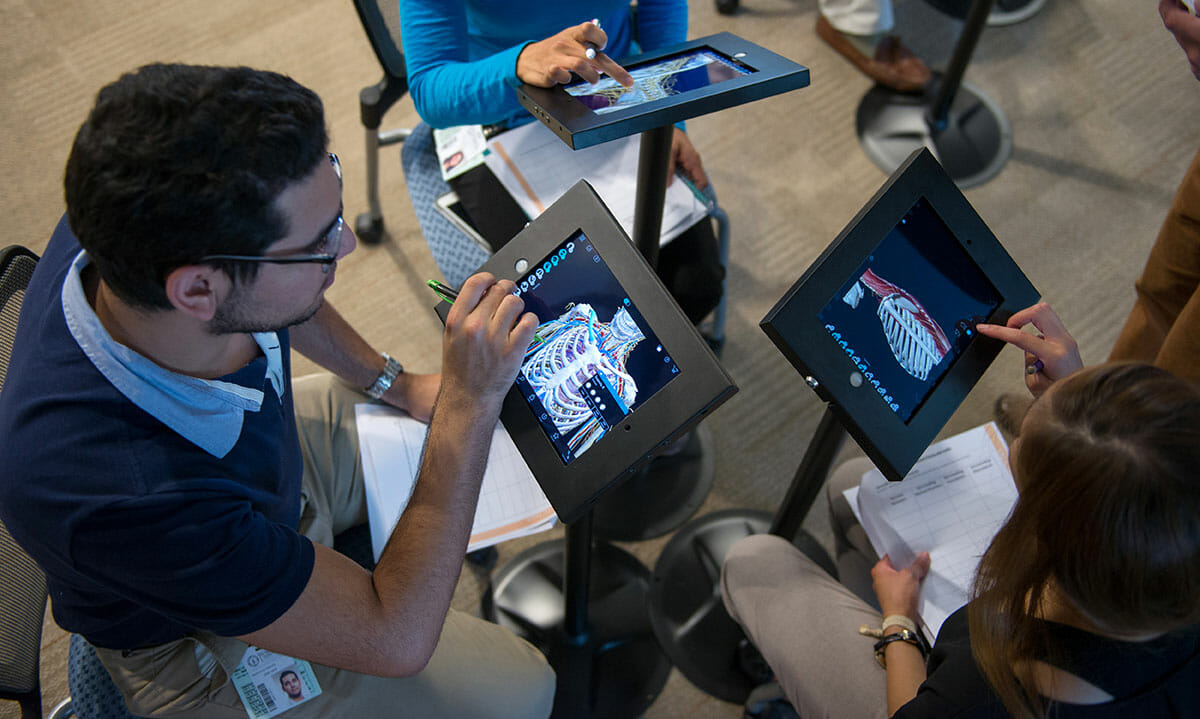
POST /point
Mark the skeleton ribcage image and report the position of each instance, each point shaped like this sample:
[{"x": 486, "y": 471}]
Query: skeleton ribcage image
[
  {"x": 916, "y": 340},
  {"x": 571, "y": 350}
]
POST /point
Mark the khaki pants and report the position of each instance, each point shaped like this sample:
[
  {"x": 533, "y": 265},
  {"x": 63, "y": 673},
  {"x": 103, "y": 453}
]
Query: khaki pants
[
  {"x": 1164, "y": 326},
  {"x": 804, "y": 621},
  {"x": 479, "y": 669}
]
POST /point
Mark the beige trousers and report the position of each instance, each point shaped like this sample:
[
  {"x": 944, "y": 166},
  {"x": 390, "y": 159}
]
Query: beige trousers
[
  {"x": 804, "y": 621},
  {"x": 479, "y": 669}
]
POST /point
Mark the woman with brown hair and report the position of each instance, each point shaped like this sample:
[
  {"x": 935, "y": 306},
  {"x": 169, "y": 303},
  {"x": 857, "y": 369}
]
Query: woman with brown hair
[{"x": 1086, "y": 603}]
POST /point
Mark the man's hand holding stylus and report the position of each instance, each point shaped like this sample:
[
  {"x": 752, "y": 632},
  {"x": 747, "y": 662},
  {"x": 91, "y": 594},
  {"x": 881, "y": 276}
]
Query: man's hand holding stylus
[
  {"x": 551, "y": 61},
  {"x": 487, "y": 332},
  {"x": 1052, "y": 346}
]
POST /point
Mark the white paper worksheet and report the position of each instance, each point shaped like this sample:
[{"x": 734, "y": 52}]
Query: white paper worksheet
[
  {"x": 536, "y": 168},
  {"x": 511, "y": 502},
  {"x": 953, "y": 501}
]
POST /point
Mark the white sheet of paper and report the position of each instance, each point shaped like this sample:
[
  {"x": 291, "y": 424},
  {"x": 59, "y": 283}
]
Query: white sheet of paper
[
  {"x": 511, "y": 502},
  {"x": 536, "y": 168},
  {"x": 951, "y": 504}
]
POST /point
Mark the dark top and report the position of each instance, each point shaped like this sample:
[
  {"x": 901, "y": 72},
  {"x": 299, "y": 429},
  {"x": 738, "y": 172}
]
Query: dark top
[
  {"x": 1159, "y": 678},
  {"x": 143, "y": 535}
]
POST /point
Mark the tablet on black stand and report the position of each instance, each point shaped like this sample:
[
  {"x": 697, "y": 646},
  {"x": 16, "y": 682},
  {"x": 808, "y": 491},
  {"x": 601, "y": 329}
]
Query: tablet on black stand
[
  {"x": 615, "y": 372},
  {"x": 881, "y": 326},
  {"x": 672, "y": 84}
]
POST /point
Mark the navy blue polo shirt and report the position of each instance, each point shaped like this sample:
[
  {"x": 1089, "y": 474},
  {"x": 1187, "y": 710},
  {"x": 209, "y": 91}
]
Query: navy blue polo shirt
[{"x": 149, "y": 523}]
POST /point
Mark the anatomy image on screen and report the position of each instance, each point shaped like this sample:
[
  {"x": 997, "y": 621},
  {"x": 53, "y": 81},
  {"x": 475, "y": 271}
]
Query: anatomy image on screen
[
  {"x": 930, "y": 296},
  {"x": 594, "y": 359},
  {"x": 576, "y": 366},
  {"x": 661, "y": 79},
  {"x": 917, "y": 342}
]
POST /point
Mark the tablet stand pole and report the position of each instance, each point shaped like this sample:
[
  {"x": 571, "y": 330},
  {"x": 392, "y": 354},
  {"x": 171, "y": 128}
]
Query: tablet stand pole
[
  {"x": 686, "y": 609},
  {"x": 584, "y": 604},
  {"x": 666, "y": 493},
  {"x": 584, "y": 607},
  {"x": 654, "y": 159},
  {"x": 964, "y": 128}
]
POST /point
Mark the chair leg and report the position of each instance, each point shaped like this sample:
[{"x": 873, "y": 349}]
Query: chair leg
[{"x": 368, "y": 226}]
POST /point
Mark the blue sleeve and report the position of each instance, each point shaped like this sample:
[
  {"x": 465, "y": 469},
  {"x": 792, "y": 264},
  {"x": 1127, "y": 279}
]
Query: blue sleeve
[
  {"x": 448, "y": 88},
  {"x": 661, "y": 23}
]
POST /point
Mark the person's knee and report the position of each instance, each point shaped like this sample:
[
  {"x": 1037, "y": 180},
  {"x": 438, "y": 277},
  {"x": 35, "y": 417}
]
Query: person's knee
[
  {"x": 748, "y": 558},
  {"x": 541, "y": 692}
]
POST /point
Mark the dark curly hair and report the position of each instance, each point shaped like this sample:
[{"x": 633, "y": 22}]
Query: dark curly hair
[{"x": 176, "y": 162}]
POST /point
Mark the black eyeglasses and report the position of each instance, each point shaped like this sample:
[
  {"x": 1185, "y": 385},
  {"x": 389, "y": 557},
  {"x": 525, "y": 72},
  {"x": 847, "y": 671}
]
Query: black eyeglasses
[{"x": 327, "y": 247}]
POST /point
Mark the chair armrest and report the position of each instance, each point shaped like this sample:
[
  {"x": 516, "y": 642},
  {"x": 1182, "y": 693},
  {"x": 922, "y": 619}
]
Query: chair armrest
[{"x": 375, "y": 100}]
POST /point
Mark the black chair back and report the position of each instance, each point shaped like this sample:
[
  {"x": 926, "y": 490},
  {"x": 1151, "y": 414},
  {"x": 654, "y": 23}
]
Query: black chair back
[{"x": 22, "y": 584}]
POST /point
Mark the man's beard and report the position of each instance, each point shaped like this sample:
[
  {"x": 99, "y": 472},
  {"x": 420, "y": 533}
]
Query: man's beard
[{"x": 230, "y": 318}]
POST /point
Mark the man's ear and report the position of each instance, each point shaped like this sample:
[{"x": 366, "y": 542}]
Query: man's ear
[{"x": 197, "y": 290}]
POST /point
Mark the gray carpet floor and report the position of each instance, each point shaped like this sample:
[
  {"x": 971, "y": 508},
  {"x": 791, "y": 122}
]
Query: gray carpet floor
[{"x": 1104, "y": 115}]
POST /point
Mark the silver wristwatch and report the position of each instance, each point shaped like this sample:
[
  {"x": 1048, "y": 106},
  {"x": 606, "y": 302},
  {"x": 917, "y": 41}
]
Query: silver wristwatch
[{"x": 391, "y": 369}]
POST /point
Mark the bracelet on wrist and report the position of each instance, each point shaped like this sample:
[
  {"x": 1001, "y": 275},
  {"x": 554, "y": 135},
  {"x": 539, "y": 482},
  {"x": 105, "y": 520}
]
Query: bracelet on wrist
[
  {"x": 898, "y": 620},
  {"x": 903, "y": 635},
  {"x": 391, "y": 370}
]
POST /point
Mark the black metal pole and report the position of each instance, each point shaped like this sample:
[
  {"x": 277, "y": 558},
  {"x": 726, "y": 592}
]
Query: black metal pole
[
  {"x": 654, "y": 159},
  {"x": 577, "y": 561},
  {"x": 977, "y": 18},
  {"x": 810, "y": 476}
]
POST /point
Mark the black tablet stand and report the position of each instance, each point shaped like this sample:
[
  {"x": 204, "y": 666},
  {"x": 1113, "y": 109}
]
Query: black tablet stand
[
  {"x": 587, "y": 610},
  {"x": 584, "y": 609},
  {"x": 964, "y": 128},
  {"x": 665, "y": 493},
  {"x": 686, "y": 610}
]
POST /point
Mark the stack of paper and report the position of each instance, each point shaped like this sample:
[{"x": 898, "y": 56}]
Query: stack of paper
[
  {"x": 511, "y": 503},
  {"x": 536, "y": 168},
  {"x": 951, "y": 504}
]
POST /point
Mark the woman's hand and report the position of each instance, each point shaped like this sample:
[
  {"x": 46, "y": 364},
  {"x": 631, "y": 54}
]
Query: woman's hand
[
  {"x": 551, "y": 61},
  {"x": 898, "y": 590},
  {"x": 685, "y": 157},
  {"x": 1050, "y": 355}
]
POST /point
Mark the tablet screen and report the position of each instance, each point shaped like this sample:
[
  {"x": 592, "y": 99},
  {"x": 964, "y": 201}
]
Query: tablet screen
[
  {"x": 673, "y": 75},
  {"x": 594, "y": 358},
  {"x": 910, "y": 309}
]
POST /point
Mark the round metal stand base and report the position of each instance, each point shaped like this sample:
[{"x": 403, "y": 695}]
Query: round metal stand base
[
  {"x": 1004, "y": 12},
  {"x": 617, "y": 669},
  {"x": 686, "y": 610},
  {"x": 661, "y": 497},
  {"x": 1007, "y": 12},
  {"x": 973, "y": 147}
]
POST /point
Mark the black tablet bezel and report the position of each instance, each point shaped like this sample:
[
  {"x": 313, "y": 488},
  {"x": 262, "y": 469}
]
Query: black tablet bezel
[
  {"x": 794, "y": 326},
  {"x": 580, "y": 127},
  {"x": 701, "y": 386}
]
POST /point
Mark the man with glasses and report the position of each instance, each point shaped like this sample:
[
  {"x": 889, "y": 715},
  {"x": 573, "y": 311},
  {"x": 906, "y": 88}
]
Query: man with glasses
[{"x": 179, "y": 489}]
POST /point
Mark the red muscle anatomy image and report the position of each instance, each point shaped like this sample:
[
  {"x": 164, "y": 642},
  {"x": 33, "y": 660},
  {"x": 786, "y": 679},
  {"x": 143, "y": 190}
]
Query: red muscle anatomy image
[{"x": 916, "y": 340}]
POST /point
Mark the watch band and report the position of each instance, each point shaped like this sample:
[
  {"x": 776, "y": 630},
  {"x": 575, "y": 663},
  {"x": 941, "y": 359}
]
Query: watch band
[{"x": 391, "y": 369}]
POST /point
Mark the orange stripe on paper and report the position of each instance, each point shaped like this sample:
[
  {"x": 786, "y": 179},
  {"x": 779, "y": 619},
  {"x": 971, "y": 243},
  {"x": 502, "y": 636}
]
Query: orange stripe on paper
[
  {"x": 520, "y": 178},
  {"x": 513, "y": 526}
]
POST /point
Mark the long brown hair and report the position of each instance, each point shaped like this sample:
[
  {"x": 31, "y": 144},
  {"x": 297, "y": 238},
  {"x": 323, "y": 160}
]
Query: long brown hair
[{"x": 1109, "y": 514}]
